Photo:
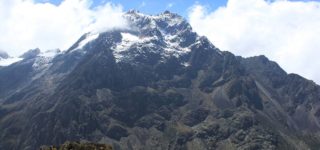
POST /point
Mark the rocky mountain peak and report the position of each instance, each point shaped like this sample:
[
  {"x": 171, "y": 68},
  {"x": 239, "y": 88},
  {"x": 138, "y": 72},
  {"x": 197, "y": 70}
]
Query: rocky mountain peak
[
  {"x": 133, "y": 11},
  {"x": 31, "y": 53},
  {"x": 167, "y": 22},
  {"x": 163, "y": 35}
]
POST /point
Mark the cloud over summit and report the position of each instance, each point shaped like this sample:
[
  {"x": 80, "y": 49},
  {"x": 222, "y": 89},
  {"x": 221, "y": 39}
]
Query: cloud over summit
[
  {"x": 26, "y": 24},
  {"x": 285, "y": 31}
]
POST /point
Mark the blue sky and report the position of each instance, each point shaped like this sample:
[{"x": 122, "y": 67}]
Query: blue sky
[{"x": 156, "y": 6}]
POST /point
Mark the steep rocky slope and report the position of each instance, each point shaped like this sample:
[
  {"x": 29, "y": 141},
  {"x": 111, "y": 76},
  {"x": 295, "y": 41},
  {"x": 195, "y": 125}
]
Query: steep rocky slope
[
  {"x": 78, "y": 146},
  {"x": 157, "y": 85}
]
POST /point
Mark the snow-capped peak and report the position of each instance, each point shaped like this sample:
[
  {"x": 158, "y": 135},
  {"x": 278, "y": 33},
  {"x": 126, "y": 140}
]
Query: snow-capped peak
[
  {"x": 162, "y": 36},
  {"x": 167, "y": 21},
  {"x": 166, "y": 35}
]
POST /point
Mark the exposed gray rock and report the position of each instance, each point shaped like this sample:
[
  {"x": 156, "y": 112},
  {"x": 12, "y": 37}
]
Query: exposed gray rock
[{"x": 31, "y": 53}]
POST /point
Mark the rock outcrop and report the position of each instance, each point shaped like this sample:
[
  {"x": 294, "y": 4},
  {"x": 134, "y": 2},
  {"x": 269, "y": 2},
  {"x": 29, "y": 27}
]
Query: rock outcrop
[{"x": 78, "y": 146}]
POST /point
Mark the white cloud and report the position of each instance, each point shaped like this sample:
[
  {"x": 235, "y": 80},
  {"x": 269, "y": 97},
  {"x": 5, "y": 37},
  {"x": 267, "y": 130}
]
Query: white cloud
[
  {"x": 170, "y": 5},
  {"x": 26, "y": 24},
  {"x": 285, "y": 31}
]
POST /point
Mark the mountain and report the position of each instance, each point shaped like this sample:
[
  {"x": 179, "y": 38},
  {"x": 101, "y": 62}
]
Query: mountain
[
  {"x": 78, "y": 146},
  {"x": 156, "y": 85},
  {"x": 31, "y": 53},
  {"x": 6, "y": 60}
]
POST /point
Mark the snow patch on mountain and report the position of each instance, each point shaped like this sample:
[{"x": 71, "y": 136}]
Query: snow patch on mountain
[
  {"x": 43, "y": 60},
  {"x": 185, "y": 64},
  {"x": 9, "y": 61},
  {"x": 173, "y": 47},
  {"x": 41, "y": 63},
  {"x": 89, "y": 37},
  {"x": 170, "y": 48},
  {"x": 127, "y": 41}
]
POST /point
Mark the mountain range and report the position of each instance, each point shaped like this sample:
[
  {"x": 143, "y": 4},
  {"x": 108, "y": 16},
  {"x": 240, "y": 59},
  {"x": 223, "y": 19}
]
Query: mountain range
[{"x": 156, "y": 85}]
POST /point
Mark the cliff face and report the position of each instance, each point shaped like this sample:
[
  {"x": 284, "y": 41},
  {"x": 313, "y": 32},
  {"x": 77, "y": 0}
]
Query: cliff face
[
  {"x": 78, "y": 146},
  {"x": 156, "y": 86}
]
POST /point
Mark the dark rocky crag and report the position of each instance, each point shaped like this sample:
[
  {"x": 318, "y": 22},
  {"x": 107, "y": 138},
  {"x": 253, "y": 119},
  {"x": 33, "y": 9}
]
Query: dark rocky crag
[
  {"x": 78, "y": 146},
  {"x": 157, "y": 85}
]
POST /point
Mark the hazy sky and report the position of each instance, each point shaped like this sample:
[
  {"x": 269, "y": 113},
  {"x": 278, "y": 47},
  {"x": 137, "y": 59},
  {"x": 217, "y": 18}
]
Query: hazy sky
[{"x": 285, "y": 31}]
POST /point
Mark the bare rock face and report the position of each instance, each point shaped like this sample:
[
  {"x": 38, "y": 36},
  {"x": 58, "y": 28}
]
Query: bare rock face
[
  {"x": 31, "y": 53},
  {"x": 157, "y": 86},
  {"x": 78, "y": 146}
]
